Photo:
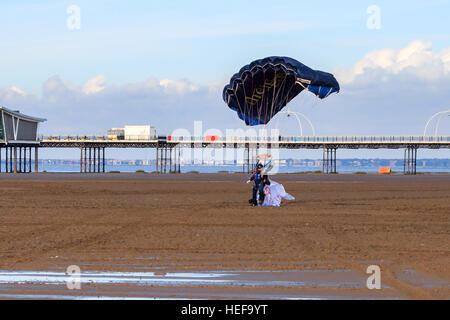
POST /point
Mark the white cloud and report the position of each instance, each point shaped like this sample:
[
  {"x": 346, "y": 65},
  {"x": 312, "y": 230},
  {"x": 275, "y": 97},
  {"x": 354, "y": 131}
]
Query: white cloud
[
  {"x": 417, "y": 59},
  {"x": 18, "y": 91},
  {"x": 95, "y": 85},
  {"x": 12, "y": 93},
  {"x": 97, "y": 106},
  {"x": 178, "y": 87},
  {"x": 388, "y": 92}
]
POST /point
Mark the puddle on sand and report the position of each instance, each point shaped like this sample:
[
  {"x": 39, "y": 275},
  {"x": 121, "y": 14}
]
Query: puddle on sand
[
  {"x": 421, "y": 280},
  {"x": 305, "y": 284}
]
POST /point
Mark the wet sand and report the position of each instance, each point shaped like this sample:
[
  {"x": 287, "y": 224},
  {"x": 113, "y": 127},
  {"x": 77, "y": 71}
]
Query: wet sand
[{"x": 322, "y": 242}]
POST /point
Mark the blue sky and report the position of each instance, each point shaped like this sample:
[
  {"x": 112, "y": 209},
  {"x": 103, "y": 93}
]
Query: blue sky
[
  {"x": 203, "y": 41},
  {"x": 166, "y": 62}
]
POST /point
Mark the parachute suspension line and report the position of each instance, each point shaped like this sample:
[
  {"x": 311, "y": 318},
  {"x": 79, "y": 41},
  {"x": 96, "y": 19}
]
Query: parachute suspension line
[
  {"x": 314, "y": 103},
  {"x": 253, "y": 93},
  {"x": 310, "y": 104},
  {"x": 276, "y": 97},
  {"x": 247, "y": 109},
  {"x": 273, "y": 90},
  {"x": 282, "y": 87},
  {"x": 265, "y": 110},
  {"x": 241, "y": 109},
  {"x": 251, "y": 105},
  {"x": 304, "y": 88},
  {"x": 263, "y": 100},
  {"x": 288, "y": 111},
  {"x": 300, "y": 83},
  {"x": 289, "y": 91},
  {"x": 244, "y": 106}
]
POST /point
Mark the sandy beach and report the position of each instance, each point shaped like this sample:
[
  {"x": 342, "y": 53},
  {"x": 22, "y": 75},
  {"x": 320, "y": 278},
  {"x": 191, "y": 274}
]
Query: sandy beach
[{"x": 197, "y": 223}]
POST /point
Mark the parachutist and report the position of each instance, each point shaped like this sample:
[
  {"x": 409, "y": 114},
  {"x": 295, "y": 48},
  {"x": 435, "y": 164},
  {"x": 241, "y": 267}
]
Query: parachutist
[{"x": 261, "y": 180}]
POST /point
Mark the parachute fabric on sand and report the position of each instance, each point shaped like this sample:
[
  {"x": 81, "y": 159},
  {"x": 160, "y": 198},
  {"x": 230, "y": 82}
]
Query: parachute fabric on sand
[{"x": 274, "y": 193}]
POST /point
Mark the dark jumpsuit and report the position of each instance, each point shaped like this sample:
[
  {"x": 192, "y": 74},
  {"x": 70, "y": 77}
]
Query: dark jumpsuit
[{"x": 260, "y": 182}]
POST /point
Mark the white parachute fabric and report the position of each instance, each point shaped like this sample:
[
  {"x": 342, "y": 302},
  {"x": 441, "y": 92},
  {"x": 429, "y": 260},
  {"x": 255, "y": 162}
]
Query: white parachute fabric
[{"x": 274, "y": 193}]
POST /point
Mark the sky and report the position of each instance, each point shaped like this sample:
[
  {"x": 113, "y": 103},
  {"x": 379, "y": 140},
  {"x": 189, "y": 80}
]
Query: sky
[{"x": 87, "y": 66}]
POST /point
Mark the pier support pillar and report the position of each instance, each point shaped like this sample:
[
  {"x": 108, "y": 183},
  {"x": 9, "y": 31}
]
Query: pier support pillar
[
  {"x": 36, "y": 159},
  {"x": 24, "y": 169},
  {"x": 93, "y": 159},
  {"x": 170, "y": 160},
  {"x": 6, "y": 159},
  {"x": 179, "y": 159},
  {"x": 156, "y": 157},
  {"x": 15, "y": 159},
  {"x": 245, "y": 159},
  {"x": 334, "y": 160},
  {"x": 165, "y": 159},
  {"x": 410, "y": 160},
  {"x": 404, "y": 161},
  {"x": 19, "y": 162},
  {"x": 85, "y": 159},
  {"x": 81, "y": 160},
  {"x": 161, "y": 152},
  {"x": 323, "y": 160},
  {"x": 90, "y": 160},
  {"x": 11, "y": 159},
  {"x": 175, "y": 160},
  {"x": 329, "y": 160},
  {"x": 104, "y": 161},
  {"x": 248, "y": 160},
  {"x": 98, "y": 159},
  {"x": 29, "y": 160}
]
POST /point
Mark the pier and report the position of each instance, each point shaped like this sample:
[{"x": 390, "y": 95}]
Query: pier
[
  {"x": 19, "y": 140},
  {"x": 92, "y": 148}
]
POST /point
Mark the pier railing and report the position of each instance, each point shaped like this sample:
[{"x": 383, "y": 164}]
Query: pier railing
[{"x": 256, "y": 139}]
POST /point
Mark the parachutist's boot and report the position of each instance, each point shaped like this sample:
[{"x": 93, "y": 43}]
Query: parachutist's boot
[{"x": 261, "y": 198}]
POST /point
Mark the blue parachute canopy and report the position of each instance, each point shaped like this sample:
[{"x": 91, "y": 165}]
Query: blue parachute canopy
[{"x": 264, "y": 87}]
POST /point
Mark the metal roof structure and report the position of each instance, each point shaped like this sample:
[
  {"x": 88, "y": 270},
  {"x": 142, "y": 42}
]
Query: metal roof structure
[
  {"x": 17, "y": 114},
  {"x": 18, "y": 128}
]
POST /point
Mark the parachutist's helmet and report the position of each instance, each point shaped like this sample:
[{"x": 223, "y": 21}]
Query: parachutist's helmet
[{"x": 259, "y": 166}]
